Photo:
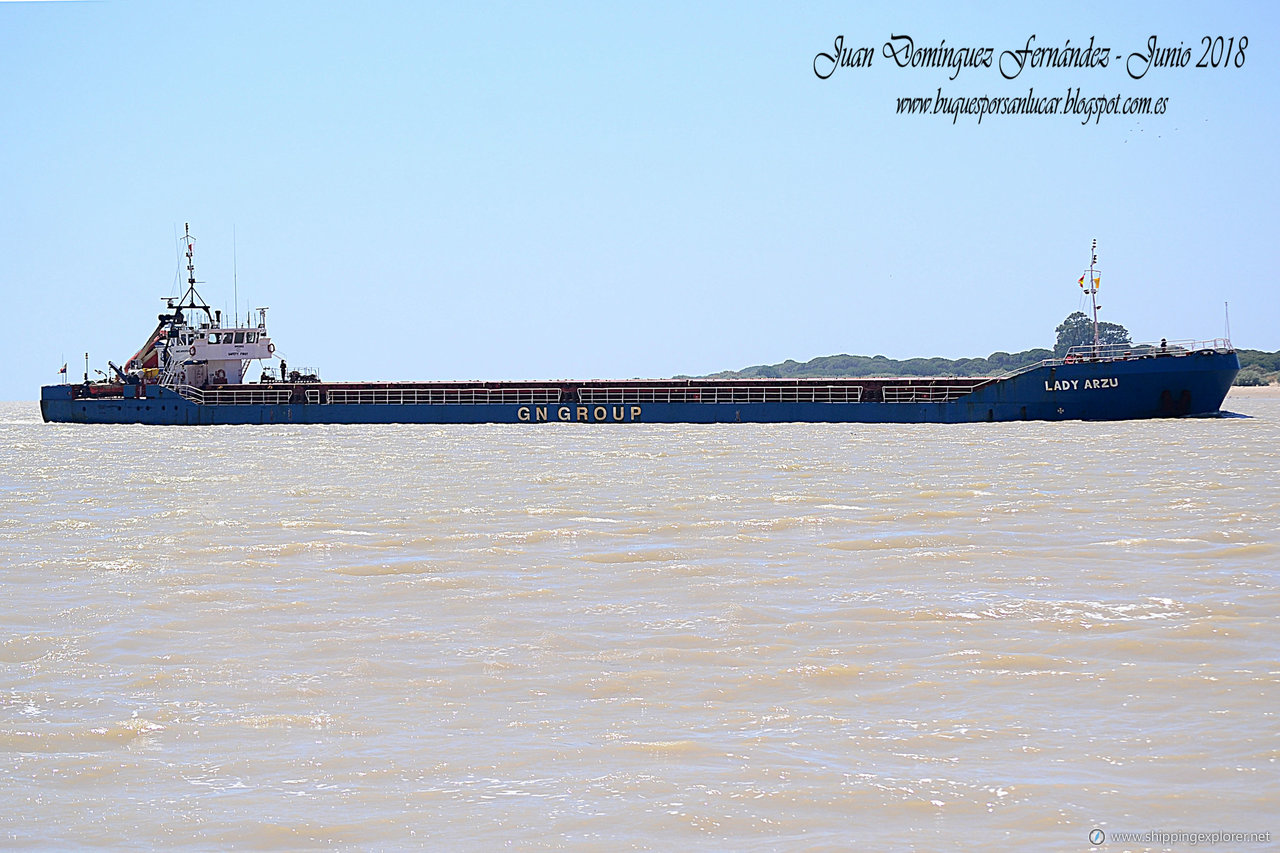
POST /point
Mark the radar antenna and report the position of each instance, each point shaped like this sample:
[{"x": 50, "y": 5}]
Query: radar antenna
[{"x": 189, "y": 299}]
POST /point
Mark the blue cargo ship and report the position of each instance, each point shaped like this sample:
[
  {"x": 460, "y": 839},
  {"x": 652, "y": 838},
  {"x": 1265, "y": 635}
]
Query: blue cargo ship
[{"x": 194, "y": 370}]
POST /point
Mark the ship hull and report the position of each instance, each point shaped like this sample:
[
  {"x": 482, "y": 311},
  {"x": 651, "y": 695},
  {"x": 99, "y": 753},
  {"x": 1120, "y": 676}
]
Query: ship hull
[{"x": 1194, "y": 384}]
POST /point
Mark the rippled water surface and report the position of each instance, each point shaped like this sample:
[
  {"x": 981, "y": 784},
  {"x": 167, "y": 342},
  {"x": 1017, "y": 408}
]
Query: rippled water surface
[{"x": 639, "y": 636}]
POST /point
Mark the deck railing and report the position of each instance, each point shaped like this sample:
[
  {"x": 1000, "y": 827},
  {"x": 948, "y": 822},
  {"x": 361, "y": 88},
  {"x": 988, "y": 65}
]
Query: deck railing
[
  {"x": 442, "y": 396},
  {"x": 620, "y": 395},
  {"x": 598, "y": 394},
  {"x": 189, "y": 392},
  {"x": 930, "y": 393},
  {"x": 236, "y": 396}
]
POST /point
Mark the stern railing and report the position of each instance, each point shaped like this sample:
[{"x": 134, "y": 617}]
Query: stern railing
[
  {"x": 1088, "y": 353},
  {"x": 1124, "y": 352}
]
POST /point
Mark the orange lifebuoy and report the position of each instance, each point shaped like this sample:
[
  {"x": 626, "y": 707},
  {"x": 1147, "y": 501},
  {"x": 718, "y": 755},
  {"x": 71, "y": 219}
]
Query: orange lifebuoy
[
  {"x": 1070, "y": 359},
  {"x": 193, "y": 349}
]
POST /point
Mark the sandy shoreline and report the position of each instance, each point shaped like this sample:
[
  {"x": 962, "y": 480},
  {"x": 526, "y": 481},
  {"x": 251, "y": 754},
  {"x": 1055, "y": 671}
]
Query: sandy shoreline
[{"x": 1254, "y": 391}]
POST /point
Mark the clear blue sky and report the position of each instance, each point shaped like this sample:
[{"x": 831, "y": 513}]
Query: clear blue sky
[{"x": 604, "y": 190}]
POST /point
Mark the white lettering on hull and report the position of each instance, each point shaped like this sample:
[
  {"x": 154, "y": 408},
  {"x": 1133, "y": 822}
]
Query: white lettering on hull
[
  {"x": 585, "y": 414},
  {"x": 1082, "y": 384}
]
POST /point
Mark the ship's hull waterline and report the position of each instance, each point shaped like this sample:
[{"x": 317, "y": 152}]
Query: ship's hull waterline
[{"x": 1150, "y": 386}]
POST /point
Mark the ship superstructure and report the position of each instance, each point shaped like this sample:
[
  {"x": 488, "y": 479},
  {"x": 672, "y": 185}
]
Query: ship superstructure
[{"x": 191, "y": 348}]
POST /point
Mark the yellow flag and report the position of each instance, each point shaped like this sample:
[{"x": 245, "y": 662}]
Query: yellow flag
[{"x": 1097, "y": 281}]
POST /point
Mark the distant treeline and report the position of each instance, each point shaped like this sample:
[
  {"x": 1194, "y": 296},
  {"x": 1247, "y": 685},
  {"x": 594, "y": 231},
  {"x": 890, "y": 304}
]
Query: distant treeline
[
  {"x": 1252, "y": 362},
  {"x": 1258, "y": 367},
  {"x": 868, "y": 366},
  {"x": 1266, "y": 362}
]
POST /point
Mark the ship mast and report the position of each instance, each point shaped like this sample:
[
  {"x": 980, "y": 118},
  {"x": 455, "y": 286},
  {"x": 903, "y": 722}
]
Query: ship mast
[
  {"x": 1093, "y": 292},
  {"x": 189, "y": 298}
]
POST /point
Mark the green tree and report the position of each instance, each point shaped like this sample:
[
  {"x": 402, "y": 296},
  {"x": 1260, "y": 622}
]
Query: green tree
[
  {"x": 1077, "y": 331},
  {"x": 1250, "y": 376},
  {"x": 1267, "y": 362}
]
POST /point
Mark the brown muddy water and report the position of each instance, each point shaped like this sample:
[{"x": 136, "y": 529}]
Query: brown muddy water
[{"x": 999, "y": 636}]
